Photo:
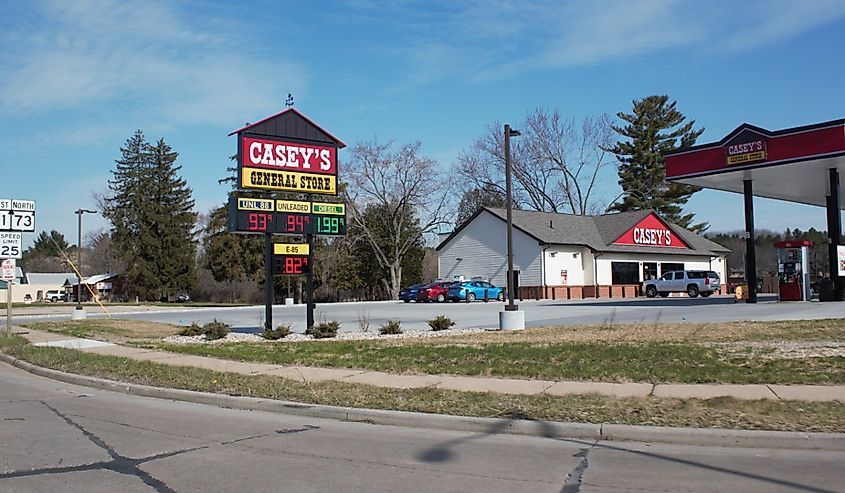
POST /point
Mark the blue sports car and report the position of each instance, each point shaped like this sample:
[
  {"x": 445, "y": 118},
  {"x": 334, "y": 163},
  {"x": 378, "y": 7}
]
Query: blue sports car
[
  {"x": 475, "y": 290},
  {"x": 410, "y": 293}
]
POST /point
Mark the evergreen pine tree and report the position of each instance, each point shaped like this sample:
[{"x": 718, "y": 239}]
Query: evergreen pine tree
[
  {"x": 151, "y": 211},
  {"x": 172, "y": 223},
  {"x": 653, "y": 129},
  {"x": 124, "y": 203}
]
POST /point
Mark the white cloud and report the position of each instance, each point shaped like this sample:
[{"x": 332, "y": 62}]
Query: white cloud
[
  {"x": 149, "y": 60},
  {"x": 496, "y": 39}
]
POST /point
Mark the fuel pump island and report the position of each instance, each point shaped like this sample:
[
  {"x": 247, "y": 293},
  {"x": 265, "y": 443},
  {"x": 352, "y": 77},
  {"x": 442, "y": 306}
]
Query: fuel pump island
[{"x": 793, "y": 270}]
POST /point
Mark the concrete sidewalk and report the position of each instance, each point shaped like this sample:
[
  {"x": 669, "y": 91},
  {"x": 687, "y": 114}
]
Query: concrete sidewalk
[{"x": 449, "y": 382}]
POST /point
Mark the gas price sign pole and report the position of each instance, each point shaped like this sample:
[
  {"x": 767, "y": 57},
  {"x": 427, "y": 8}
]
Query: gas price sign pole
[{"x": 286, "y": 153}]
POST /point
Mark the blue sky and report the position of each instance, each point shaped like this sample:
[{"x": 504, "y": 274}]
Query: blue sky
[{"x": 78, "y": 77}]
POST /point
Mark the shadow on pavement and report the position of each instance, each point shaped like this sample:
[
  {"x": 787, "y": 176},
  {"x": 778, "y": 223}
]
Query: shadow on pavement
[{"x": 444, "y": 453}]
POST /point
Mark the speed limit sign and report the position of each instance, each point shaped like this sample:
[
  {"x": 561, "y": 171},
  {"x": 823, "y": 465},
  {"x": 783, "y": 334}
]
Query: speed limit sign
[{"x": 10, "y": 245}]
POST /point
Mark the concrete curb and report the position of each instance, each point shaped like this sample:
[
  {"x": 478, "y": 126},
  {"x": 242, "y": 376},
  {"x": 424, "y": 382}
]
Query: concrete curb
[{"x": 547, "y": 429}]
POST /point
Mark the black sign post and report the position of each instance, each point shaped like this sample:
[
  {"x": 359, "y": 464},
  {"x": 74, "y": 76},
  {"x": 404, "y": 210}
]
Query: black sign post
[
  {"x": 269, "y": 294},
  {"x": 309, "y": 285}
]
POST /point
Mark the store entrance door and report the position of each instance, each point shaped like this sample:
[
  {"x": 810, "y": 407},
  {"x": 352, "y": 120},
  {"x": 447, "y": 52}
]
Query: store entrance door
[{"x": 649, "y": 271}]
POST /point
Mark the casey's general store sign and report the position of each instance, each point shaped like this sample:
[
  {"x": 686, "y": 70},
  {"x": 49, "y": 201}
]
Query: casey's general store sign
[
  {"x": 287, "y": 166},
  {"x": 746, "y": 152},
  {"x": 651, "y": 231}
]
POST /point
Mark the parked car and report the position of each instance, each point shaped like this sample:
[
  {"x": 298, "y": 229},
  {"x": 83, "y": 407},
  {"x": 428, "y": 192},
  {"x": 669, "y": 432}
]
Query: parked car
[
  {"x": 183, "y": 298},
  {"x": 692, "y": 282},
  {"x": 410, "y": 293},
  {"x": 439, "y": 292},
  {"x": 55, "y": 295},
  {"x": 475, "y": 290}
]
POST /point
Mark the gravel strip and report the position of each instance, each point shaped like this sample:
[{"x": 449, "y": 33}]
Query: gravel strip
[{"x": 343, "y": 336}]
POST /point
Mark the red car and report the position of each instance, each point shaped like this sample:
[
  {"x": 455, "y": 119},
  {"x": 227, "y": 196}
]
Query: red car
[{"x": 434, "y": 292}]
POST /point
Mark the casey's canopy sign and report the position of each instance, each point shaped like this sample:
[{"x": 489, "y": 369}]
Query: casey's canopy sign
[{"x": 651, "y": 231}]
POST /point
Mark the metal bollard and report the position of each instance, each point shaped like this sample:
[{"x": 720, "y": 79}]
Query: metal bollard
[{"x": 485, "y": 295}]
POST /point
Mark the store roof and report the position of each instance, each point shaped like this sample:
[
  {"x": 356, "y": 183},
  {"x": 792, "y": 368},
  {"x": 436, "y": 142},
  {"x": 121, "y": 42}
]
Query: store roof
[
  {"x": 595, "y": 232},
  {"x": 55, "y": 278},
  {"x": 93, "y": 279}
]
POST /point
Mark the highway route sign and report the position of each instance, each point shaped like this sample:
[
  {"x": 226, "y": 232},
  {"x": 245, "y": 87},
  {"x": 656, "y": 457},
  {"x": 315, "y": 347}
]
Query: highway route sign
[{"x": 17, "y": 215}]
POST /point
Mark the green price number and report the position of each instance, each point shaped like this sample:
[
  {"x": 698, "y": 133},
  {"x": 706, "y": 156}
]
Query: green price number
[{"x": 330, "y": 225}]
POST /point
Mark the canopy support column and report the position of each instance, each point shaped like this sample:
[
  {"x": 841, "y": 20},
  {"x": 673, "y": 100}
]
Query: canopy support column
[
  {"x": 750, "y": 253},
  {"x": 834, "y": 231}
]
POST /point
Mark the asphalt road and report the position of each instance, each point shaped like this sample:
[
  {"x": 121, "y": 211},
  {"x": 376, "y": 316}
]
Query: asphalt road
[
  {"x": 414, "y": 316},
  {"x": 60, "y": 437}
]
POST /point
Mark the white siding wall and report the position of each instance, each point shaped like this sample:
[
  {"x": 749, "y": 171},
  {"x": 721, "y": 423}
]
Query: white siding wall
[
  {"x": 690, "y": 263},
  {"x": 482, "y": 247},
  {"x": 576, "y": 261}
]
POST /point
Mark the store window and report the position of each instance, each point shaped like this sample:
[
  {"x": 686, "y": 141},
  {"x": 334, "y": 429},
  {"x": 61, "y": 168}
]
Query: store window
[
  {"x": 625, "y": 272},
  {"x": 669, "y": 267}
]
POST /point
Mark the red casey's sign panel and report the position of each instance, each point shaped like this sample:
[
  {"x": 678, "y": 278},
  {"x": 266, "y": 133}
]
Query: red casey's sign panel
[
  {"x": 287, "y": 166},
  {"x": 272, "y": 154},
  {"x": 651, "y": 231}
]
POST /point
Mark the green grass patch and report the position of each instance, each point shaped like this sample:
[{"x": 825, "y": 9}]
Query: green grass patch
[
  {"x": 720, "y": 413},
  {"x": 626, "y": 362}
]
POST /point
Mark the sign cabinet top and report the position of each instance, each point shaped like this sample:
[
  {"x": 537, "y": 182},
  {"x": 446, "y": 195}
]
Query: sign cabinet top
[{"x": 290, "y": 124}]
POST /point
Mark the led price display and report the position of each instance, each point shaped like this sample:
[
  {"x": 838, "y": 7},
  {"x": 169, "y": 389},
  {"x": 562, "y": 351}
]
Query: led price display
[
  {"x": 290, "y": 265},
  {"x": 249, "y": 215},
  {"x": 284, "y": 223}
]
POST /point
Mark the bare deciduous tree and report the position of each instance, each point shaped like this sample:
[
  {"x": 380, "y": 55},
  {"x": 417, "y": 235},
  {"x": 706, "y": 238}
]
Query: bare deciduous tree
[
  {"x": 556, "y": 164},
  {"x": 579, "y": 156},
  {"x": 409, "y": 192},
  {"x": 535, "y": 183}
]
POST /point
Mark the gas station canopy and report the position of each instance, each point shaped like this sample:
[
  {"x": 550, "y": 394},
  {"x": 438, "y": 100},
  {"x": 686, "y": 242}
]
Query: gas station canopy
[
  {"x": 792, "y": 164},
  {"x": 800, "y": 164}
]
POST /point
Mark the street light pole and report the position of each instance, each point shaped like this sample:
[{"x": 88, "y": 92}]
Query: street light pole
[
  {"x": 509, "y": 132},
  {"x": 80, "y": 311},
  {"x": 511, "y": 318}
]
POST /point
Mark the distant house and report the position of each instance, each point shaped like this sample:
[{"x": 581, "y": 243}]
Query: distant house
[
  {"x": 102, "y": 286},
  {"x": 35, "y": 285}
]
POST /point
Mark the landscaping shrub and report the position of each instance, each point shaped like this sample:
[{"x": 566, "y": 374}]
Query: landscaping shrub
[
  {"x": 324, "y": 330},
  {"x": 440, "y": 322},
  {"x": 193, "y": 330},
  {"x": 279, "y": 332},
  {"x": 390, "y": 328},
  {"x": 215, "y": 330}
]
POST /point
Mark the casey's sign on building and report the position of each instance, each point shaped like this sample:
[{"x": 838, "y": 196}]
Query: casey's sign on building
[{"x": 651, "y": 231}]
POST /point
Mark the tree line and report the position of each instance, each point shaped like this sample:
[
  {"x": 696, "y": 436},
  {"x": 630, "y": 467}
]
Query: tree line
[{"x": 397, "y": 198}]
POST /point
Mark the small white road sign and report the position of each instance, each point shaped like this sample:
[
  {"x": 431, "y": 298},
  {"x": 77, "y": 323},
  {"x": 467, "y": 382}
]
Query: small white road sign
[{"x": 8, "y": 270}]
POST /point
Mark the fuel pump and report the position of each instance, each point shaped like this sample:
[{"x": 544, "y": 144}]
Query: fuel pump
[{"x": 794, "y": 270}]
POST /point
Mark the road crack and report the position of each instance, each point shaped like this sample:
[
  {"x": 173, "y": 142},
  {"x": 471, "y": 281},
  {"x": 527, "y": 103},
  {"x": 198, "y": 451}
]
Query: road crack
[{"x": 574, "y": 478}]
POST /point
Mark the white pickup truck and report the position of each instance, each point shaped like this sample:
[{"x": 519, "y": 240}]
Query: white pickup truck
[{"x": 692, "y": 282}]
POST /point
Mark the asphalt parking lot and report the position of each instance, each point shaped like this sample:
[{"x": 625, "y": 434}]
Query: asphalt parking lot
[{"x": 414, "y": 316}]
